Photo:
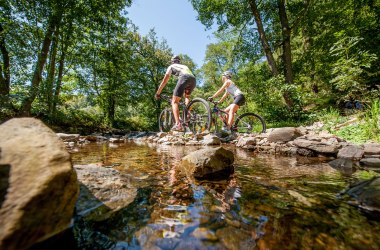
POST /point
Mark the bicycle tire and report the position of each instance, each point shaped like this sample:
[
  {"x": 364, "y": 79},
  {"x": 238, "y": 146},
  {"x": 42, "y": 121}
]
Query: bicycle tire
[
  {"x": 249, "y": 123},
  {"x": 198, "y": 115},
  {"x": 166, "y": 120}
]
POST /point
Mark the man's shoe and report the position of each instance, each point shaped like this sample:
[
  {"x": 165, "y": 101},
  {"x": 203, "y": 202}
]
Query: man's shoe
[{"x": 177, "y": 128}]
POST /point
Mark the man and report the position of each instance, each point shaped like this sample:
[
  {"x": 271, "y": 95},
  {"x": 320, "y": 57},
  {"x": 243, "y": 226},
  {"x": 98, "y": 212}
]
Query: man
[{"x": 185, "y": 85}]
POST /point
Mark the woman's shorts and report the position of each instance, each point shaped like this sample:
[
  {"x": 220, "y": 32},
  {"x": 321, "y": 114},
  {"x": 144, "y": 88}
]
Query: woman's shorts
[
  {"x": 239, "y": 100},
  {"x": 185, "y": 84}
]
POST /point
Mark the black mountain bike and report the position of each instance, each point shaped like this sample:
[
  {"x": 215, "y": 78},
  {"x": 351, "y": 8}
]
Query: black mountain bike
[
  {"x": 195, "y": 117},
  {"x": 245, "y": 123}
]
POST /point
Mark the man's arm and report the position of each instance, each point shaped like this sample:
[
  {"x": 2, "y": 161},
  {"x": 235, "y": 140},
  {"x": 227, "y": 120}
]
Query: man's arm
[{"x": 163, "y": 84}]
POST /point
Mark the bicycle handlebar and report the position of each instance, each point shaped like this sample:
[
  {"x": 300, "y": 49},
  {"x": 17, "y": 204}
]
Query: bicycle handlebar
[
  {"x": 213, "y": 102},
  {"x": 165, "y": 97}
]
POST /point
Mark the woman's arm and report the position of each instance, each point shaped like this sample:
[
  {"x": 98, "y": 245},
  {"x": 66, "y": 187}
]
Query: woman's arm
[
  {"x": 225, "y": 85},
  {"x": 224, "y": 96}
]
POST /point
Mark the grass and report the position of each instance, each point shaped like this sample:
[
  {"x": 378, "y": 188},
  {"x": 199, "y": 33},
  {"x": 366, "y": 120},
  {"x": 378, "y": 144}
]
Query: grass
[{"x": 365, "y": 128}]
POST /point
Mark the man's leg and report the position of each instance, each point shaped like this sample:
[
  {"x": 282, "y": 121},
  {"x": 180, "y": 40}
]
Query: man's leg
[
  {"x": 175, "y": 107},
  {"x": 187, "y": 98}
]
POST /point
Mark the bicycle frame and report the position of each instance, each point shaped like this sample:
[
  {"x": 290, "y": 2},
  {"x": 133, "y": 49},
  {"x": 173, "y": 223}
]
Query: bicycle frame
[
  {"x": 219, "y": 112},
  {"x": 181, "y": 105}
]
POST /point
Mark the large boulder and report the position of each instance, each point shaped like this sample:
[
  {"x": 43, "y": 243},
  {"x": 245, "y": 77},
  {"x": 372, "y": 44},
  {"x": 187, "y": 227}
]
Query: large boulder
[
  {"x": 207, "y": 162},
  {"x": 39, "y": 187}
]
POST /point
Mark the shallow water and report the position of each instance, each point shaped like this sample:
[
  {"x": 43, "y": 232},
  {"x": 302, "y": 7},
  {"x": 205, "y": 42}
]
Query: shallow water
[{"x": 269, "y": 203}]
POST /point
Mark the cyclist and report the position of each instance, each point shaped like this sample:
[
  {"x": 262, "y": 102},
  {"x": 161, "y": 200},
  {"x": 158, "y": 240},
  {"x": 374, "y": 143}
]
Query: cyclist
[
  {"x": 229, "y": 87},
  {"x": 185, "y": 85}
]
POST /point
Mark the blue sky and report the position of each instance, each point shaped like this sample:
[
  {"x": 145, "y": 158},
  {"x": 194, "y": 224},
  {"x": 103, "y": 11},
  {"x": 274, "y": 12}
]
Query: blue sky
[{"x": 175, "y": 21}]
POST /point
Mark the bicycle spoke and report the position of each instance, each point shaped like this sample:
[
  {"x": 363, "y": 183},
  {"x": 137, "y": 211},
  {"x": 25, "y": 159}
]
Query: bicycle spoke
[
  {"x": 166, "y": 120},
  {"x": 250, "y": 123}
]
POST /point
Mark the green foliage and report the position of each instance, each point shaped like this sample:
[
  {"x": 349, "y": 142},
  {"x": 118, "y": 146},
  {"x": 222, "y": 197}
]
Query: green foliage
[
  {"x": 348, "y": 70},
  {"x": 362, "y": 130},
  {"x": 372, "y": 121},
  {"x": 330, "y": 117},
  {"x": 101, "y": 73}
]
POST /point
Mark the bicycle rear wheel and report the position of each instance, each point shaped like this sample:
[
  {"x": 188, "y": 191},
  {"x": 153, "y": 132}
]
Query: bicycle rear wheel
[
  {"x": 166, "y": 120},
  {"x": 250, "y": 123},
  {"x": 198, "y": 116}
]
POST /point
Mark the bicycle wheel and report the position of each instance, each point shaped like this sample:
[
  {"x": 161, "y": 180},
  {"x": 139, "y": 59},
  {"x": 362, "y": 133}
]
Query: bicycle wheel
[
  {"x": 198, "y": 116},
  {"x": 166, "y": 120},
  {"x": 250, "y": 123}
]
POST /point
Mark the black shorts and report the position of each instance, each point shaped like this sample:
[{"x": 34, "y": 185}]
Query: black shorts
[
  {"x": 239, "y": 100},
  {"x": 185, "y": 84}
]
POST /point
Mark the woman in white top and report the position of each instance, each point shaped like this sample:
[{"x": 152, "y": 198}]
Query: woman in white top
[{"x": 229, "y": 87}]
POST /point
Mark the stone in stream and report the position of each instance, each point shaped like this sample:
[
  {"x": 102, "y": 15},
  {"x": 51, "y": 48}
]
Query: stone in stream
[
  {"x": 208, "y": 162},
  {"x": 366, "y": 194},
  {"x": 38, "y": 185}
]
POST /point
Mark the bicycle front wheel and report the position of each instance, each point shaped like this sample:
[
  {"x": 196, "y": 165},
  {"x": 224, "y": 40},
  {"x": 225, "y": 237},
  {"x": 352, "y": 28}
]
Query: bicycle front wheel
[
  {"x": 198, "y": 116},
  {"x": 166, "y": 120},
  {"x": 250, "y": 123}
]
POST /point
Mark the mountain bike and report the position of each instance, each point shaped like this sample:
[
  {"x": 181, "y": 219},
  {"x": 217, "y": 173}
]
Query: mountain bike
[
  {"x": 245, "y": 123},
  {"x": 195, "y": 117}
]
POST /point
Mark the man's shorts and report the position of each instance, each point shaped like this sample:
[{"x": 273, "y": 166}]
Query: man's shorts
[
  {"x": 185, "y": 84},
  {"x": 239, "y": 100}
]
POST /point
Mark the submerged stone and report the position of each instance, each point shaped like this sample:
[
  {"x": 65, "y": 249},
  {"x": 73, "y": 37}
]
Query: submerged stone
[{"x": 207, "y": 162}]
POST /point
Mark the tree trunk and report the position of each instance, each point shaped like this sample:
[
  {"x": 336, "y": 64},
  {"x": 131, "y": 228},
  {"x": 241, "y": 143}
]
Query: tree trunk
[
  {"x": 58, "y": 84},
  {"x": 286, "y": 50},
  {"x": 53, "y": 22},
  {"x": 51, "y": 73},
  {"x": 286, "y": 34},
  {"x": 5, "y": 76},
  {"x": 263, "y": 39}
]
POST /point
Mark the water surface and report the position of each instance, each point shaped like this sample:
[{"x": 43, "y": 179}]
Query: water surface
[{"x": 268, "y": 203}]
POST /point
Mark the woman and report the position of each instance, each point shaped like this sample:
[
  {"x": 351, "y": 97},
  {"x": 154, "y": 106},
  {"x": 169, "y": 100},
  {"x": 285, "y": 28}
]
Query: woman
[{"x": 229, "y": 87}]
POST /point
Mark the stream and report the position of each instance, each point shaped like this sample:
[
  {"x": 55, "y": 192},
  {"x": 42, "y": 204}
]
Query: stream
[{"x": 270, "y": 202}]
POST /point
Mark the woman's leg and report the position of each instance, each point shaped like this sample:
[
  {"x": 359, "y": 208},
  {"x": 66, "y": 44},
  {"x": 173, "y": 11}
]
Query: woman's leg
[{"x": 233, "y": 108}]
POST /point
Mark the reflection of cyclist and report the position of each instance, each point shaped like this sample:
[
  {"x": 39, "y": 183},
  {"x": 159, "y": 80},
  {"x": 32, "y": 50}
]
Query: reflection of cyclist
[
  {"x": 230, "y": 88},
  {"x": 185, "y": 85}
]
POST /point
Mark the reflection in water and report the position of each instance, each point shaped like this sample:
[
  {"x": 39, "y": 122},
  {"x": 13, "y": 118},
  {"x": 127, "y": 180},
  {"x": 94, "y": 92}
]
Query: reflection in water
[{"x": 269, "y": 203}]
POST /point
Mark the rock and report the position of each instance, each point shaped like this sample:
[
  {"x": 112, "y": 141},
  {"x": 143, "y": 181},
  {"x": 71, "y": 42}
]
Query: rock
[
  {"x": 366, "y": 194},
  {"x": 372, "y": 149},
  {"x": 284, "y": 134},
  {"x": 246, "y": 141},
  {"x": 211, "y": 139},
  {"x": 370, "y": 162},
  {"x": 207, "y": 162},
  {"x": 68, "y": 137},
  {"x": 319, "y": 147},
  {"x": 305, "y": 152},
  {"x": 116, "y": 140},
  {"x": 343, "y": 165},
  {"x": 103, "y": 191},
  {"x": 300, "y": 198},
  {"x": 39, "y": 188},
  {"x": 353, "y": 152}
]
